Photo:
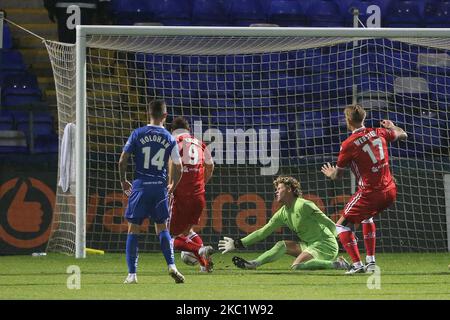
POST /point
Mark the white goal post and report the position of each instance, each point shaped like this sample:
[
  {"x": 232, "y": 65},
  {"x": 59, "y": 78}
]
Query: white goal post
[{"x": 281, "y": 56}]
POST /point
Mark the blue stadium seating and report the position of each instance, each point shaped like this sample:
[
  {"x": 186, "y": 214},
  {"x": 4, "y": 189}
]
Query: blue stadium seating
[
  {"x": 286, "y": 13},
  {"x": 434, "y": 64},
  {"x": 388, "y": 62},
  {"x": 173, "y": 12},
  {"x": 6, "y": 120},
  {"x": 322, "y": 13},
  {"x": 439, "y": 86},
  {"x": 437, "y": 14},
  {"x": 7, "y": 37},
  {"x": 209, "y": 13},
  {"x": 375, "y": 83},
  {"x": 246, "y": 12},
  {"x": 403, "y": 14},
  {"x": 128, "y": 12},
  {"x": 46, "y": 143},
  {"x": 20, "y": 89},
  {"x": 11, "y": 61}
]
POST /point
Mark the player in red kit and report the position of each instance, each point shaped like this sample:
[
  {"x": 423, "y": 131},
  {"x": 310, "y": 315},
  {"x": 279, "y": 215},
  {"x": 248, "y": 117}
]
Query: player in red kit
[
  {"x": 366, "y": 153},
  {"x": 189, "y": 197}
]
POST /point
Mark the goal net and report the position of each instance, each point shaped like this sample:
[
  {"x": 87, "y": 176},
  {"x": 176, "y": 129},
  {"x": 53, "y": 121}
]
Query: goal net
[{"x": 268, "y": 102}]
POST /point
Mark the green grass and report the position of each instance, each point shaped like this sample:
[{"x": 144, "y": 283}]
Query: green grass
[{"x": 403, "y": 276}]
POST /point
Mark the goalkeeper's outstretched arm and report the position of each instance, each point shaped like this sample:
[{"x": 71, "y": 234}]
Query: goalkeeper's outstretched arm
[{"x": 228, "y": 244}]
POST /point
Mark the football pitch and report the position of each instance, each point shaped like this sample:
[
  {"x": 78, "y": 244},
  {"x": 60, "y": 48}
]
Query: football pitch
[{"x": 402, "y": 276}]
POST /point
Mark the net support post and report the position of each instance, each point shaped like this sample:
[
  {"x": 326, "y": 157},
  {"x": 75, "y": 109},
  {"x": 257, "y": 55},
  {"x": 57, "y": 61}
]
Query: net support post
[
  {"x": 80, "y": 144},
  {"x": 447, "y": 206}
]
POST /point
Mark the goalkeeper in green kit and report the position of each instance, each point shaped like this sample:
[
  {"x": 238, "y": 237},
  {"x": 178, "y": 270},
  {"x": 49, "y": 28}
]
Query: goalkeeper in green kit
[{"x": 317, "y": 247}]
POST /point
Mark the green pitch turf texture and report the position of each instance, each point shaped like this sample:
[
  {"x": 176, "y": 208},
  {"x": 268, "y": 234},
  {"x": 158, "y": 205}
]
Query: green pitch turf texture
[{"x": 403, "y": 276}]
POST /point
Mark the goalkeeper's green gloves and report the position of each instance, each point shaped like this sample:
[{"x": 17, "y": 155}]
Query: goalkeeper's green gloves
[{"x": 228, "y": 245}]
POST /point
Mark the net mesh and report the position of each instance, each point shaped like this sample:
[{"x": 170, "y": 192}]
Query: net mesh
[{"x": 266, "y": 106}]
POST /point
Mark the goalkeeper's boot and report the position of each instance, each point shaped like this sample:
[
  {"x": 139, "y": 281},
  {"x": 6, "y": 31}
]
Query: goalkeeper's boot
[
  {"x": 243, "y": 264},
  {"x": 342, "y": 264},
  {"x": 370, "y": 267},
  {"x": 131, "y": 278},
  {"x": 353, "y": 269},
  {"x": 176, "y": 275}
]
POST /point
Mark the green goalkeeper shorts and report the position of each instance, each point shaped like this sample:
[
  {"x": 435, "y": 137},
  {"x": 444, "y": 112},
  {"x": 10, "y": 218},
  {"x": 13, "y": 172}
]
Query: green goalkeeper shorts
[{"x": 327, "y": 249}]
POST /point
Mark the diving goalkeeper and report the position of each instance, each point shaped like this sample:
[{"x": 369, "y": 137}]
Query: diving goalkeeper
[{"x": 317, "y": 248}]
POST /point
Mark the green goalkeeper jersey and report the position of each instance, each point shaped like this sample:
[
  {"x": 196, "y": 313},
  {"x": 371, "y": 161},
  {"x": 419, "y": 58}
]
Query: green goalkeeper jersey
[{"x": 304, "y": 218}]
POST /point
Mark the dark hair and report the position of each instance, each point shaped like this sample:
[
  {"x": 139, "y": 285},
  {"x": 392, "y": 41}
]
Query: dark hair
[
  {"x": 289, "y": 182},
  {"x": 355, "y": 113},
  {"x": 157, "y": 108},
  {"x": 179, "y": 123}
]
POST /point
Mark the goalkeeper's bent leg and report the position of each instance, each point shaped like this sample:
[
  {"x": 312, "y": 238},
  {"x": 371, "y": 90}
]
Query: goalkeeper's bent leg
[
  {"x": 275, "y": 253},
  {"x": 316, "y": 264}
]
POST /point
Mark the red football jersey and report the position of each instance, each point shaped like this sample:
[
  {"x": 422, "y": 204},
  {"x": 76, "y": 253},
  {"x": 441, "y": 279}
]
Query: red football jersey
[
  {"x": 365, "y": 151},
  {"x": 193, "y": 154}
]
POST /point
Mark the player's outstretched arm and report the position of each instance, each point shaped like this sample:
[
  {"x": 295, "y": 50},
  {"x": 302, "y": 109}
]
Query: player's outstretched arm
[
  {"x": 399, "y": 132},
  {"x": 331, "y": 172},
  {"x": 123, "y": 163},
  {"x": 228, "y": 245}
]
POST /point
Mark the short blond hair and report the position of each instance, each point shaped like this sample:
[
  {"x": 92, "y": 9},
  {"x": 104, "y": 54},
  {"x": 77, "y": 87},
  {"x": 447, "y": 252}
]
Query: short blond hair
[
  {"x": 289, "y": 182},
  {"x": 355, "y": 113}
]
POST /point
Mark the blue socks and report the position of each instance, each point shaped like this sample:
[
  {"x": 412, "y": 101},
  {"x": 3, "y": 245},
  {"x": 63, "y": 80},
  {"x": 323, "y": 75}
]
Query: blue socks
[
  {"x": 166, "y": 247},
  {"x": 132, "y": 252}
]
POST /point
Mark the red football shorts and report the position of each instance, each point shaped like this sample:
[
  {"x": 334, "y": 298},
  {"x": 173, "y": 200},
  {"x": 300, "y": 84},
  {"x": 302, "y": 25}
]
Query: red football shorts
[
  {"x": 186, "y": 211},
  {"x": 363, "y": 206}
]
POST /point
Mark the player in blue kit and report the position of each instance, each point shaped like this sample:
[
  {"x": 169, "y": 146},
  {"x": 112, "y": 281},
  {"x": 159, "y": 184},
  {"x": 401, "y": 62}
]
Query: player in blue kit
[{"x": 151, "y": 146}]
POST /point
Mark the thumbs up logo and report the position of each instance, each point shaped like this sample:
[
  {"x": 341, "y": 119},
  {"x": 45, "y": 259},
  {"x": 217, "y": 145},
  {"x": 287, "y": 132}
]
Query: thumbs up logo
[{"x": 26, "y": 207}]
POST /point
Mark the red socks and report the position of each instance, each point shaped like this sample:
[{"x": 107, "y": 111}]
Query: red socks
[
  {"x": 369, "y": 237},
  {"x": 350, "y": 245},
  {"x": 183, "y": 243}
]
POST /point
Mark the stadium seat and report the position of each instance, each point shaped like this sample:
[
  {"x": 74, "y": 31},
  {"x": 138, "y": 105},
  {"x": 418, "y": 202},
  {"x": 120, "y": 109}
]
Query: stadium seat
[
  {"x": 403, "y": 14},
  {"x": 246, "y": 12},
  {"x": 388, "y": 62},
  {"x": 324, "y": 13},
  {"x": 312, "y": 134},
  {"x": 6, "y": 120},
  {"x": 439, "y": 87},
  {"x": 46, "y": 143},
  {"x": 210, "y": 64},
  {"x": 380, "y": 85},
  {"x": 11, "y": 61},
  {"x": 434, "y": 63},
  {"x": 162, "y": 63},
  {"x": 286, "y": 13},
  {"x": 173, "y": 12},
  {"x": 20, "y": 89},
  {"x": 228, "y": 118},
  {"x": 427, "y": 134},
  {"x": 7, "y": 37},
  {"x": 209, "y": 13},
  {"x": 213, "y": 85},
  {"x": 12, "y": 141},
  {"x": 287, "y": 63},
  {"x": 128, "y": 12},
  {"x": 437, "y": 14},
  {"x": 213, "y": 103}
]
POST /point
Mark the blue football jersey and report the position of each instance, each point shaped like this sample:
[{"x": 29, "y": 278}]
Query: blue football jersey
[{"x": 151, "y": 146}]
